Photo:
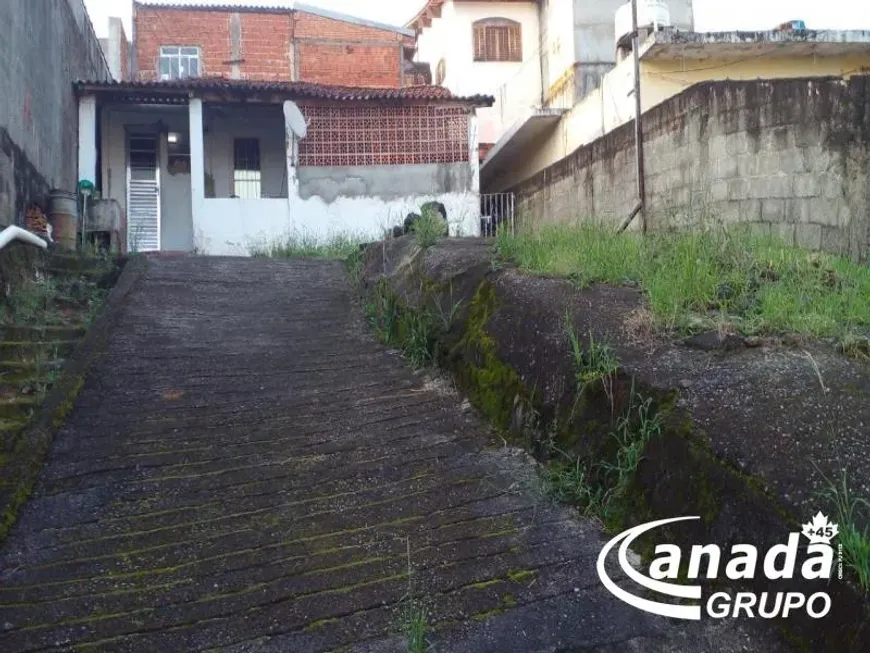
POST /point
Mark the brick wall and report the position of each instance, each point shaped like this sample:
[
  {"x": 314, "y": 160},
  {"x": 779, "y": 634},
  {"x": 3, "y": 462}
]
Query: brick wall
[
  {"x": 273, "y": 43},
  {"x": 790, "y": 157},
  {"x": 349, "y": 64}
]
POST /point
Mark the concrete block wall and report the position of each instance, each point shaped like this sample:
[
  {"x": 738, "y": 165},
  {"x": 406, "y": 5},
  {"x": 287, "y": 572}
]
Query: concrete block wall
[
  {"x": 44, "y": 47},
  {"x": 789, "y": 157}
]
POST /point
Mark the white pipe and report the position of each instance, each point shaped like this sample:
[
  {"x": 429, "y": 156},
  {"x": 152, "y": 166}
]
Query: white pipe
[{"x": 17, "y": 233}]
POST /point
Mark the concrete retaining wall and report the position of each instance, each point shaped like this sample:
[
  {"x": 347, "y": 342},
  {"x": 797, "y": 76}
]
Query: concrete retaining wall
[
  {"x": 44, "y": 47},
  {"x": 790, "y": 157}
]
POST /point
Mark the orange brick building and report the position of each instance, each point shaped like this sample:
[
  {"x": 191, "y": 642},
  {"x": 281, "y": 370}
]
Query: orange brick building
[{"x": 304, "y": 43}]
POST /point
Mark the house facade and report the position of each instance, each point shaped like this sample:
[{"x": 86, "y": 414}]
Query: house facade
[
  {"x": 482, "y": 45},
  {"x": 531, "y": 55},
  {"x": 671, "y": 61},
  {"x": 213, "y": 165},
  {"x": 298, "y": 42}
]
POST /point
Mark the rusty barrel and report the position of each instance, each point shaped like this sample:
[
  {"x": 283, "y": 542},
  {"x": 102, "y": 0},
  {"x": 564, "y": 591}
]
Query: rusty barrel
[{"x": 63, "y": 212}]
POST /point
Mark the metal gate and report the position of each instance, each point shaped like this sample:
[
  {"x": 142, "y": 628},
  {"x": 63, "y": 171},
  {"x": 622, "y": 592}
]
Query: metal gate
[
  {"x": 497, "y": 213},
  {"x": 143, "y": 193}
]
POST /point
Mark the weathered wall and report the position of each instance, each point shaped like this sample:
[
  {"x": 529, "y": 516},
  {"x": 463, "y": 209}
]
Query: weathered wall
[
  {"x": 44, "y": 47},
  {"x": 385, "y": 182},
  {"x": 271, "y": 44},
  {"x": 612, "y": 103},
  {"x": 790, "y": 157}
]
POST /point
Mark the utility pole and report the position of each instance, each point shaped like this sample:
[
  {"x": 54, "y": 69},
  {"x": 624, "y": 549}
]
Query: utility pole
[{"x": 638, "y": 127}]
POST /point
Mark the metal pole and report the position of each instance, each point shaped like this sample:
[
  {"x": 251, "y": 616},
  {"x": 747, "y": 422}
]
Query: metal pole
[{"x": 638, "y": 126}]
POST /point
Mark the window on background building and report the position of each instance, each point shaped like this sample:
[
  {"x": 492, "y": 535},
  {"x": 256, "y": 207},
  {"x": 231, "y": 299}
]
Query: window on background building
[
  {"x": 498, "y": 39},
  {"x": 440, "y": 72},
  {"x": 246, "y": 168},
  {"x": 179, "y": 62}
]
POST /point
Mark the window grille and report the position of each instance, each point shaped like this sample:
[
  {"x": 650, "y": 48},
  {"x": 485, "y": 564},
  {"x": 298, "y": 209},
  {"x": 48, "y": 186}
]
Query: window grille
[{"x": 246, "y": 168}]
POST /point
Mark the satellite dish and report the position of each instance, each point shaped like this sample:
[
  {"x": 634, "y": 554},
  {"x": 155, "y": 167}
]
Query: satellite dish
[{"x": 294, "y": 119}]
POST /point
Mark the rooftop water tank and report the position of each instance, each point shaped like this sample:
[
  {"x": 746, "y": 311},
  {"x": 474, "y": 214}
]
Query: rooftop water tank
[{"x": 651, "y": 14}]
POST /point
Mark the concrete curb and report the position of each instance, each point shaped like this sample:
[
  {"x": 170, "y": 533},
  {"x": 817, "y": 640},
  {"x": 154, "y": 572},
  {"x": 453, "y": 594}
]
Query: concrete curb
[{"x": 26, "y": 458}]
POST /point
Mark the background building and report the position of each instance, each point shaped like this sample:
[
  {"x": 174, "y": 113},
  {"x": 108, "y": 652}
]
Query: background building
[{"x": 262, "y": 43}]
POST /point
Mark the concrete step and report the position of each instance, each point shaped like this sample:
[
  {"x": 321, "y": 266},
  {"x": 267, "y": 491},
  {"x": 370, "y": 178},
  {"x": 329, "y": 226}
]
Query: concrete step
[
  {"x": 11, "y": 425},
  {"x": 9, "y": 429},
  {"x": 72, "y": 262},
  {"x": 28, "y": 368},
  {"x": 41, "y": 332},
  {"x": 24, "y": 350},
  {"x": 18, "y": 408},
  {"x": 97, "y": 276}
]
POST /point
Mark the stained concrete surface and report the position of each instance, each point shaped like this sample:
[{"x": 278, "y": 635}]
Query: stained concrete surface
[{"x": 246, "y": 469}]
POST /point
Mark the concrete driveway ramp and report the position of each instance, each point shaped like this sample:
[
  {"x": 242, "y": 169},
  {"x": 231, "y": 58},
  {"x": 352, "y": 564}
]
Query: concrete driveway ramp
[{"x": 246, "y": 469}]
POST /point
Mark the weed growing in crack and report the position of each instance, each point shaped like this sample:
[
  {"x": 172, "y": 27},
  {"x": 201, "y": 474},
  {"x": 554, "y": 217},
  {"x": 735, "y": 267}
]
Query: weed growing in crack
[
  {"x": 448, "y": 317},
  {"x": 850, "y": 510},
  {"x": 354, "y": 262},
  {"x": 428, "y": 228},
  {"x": 413, "y": 331},
  {"x": 600, "y": 487},
  {"x": 414, "y": 616},
  {"x": 595, "y": 362},
  {"x": 414, "y": 622}
]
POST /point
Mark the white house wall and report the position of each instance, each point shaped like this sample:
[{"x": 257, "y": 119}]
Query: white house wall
[
  {"x": 515, "y": 85},
  {"x": 319, "y": 203},
  {"x": 237, "y": 227}
]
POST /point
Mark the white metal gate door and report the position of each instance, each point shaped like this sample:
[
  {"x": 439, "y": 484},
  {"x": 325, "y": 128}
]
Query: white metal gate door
[
  {"x": 497, "y": 213},
  {"x": 143, "y": 193}
]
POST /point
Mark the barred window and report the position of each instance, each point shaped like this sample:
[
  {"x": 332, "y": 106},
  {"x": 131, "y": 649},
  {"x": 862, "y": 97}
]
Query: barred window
[
  {"x": 498, "y": 39},
  {"x": 246, "y": 168}
]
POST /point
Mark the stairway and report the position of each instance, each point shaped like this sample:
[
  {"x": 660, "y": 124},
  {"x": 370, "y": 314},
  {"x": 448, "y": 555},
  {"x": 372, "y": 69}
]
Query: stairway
[{"x": 40, "y": 326}]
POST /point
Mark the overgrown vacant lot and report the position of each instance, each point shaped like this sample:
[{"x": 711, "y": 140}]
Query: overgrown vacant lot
[{"x": 716, "y": 278}]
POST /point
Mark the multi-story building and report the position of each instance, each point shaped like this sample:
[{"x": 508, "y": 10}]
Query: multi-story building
[
  {"x": 531, "y": 55},
  {"x": 489, "y": 45},
  {"x": 262, "y": 43}
]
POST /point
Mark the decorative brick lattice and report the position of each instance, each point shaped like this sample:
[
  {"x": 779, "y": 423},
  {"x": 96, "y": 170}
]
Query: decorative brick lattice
[{"x": 364, "y": 136}]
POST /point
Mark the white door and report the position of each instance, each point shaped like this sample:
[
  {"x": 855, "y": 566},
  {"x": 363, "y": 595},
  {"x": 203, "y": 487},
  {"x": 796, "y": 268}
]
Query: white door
[{"x": 143, "y": 193}]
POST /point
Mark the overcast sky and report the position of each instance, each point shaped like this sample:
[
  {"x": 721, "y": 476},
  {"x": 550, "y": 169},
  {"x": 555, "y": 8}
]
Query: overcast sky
[{"x": 710, "y": 15}]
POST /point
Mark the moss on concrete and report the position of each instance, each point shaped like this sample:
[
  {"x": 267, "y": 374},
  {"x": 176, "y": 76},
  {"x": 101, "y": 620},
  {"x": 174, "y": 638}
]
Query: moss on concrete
[
  {"x": 493, "y": 387},
  {"x": 677, "y": 473}
]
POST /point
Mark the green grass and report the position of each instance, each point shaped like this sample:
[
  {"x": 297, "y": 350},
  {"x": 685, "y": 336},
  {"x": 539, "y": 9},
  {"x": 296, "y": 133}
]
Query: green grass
[
  {"x": 849, "y": 512},
  {"x": 592, "y": 363},
  {"x": 428, "y": 228},
  {"x": 699, "y": 279},
  {"x": 414, "y": 622},
  {"x": 338, "y": 247},
  {"x": 414, "y": 331},
  {"x": 600, "y": 487}
]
